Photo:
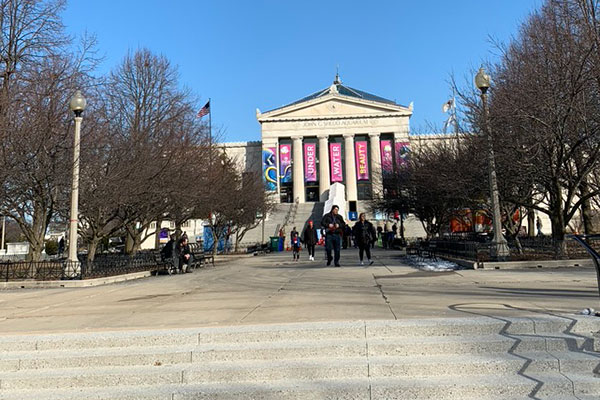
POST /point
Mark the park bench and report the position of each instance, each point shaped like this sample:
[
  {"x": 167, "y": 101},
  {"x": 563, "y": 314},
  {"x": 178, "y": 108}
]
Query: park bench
[
  {"x": 200, "y": 257},
  {"x": 163, "y": 264}
]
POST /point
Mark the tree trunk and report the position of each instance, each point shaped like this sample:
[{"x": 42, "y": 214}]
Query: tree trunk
[
  {"x": 530, "y": 222},
  {"x": 237, "y": 241},
  {"x": 586, "y": 209},
  {"x": 92, "y": 247},
  {"x": 157, "y": 234},
  {"x": 557, "y": 219}
]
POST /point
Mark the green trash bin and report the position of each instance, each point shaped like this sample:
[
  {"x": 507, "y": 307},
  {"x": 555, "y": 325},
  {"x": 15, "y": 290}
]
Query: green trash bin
[{"x": 274, "y": 243}]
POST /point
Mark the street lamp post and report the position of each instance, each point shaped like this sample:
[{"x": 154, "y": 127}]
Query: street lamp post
[
  {"x": 499, "y": 249},
  {"x": 77, "y": 105}
]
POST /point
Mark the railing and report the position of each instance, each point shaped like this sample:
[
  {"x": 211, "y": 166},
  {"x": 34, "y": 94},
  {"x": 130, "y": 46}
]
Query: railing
[
  {"x": 537, "y": 248},
  {"x": 584, "y": 240},
  {"x": 291, "y": 214},
  {"x": 103, "y": 265}
]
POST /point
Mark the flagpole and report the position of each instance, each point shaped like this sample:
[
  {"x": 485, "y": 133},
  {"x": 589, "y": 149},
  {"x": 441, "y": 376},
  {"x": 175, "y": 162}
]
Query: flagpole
[{"x": 210, "y": 149}]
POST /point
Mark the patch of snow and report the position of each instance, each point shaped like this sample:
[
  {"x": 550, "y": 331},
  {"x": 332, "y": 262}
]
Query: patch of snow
[{"x": 431, "y": 265}]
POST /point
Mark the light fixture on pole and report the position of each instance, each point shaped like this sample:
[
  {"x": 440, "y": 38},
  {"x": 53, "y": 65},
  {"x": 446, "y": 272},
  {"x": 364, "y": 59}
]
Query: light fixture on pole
[
  {"x": 77, "y": 105},
  {"x": 499, "y": 249}
]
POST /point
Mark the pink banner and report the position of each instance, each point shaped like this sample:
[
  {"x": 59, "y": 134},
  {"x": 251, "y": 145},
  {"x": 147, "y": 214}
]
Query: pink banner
[
  {"x": 362, "y": 160},
  {"x": 335, "y": 159},
  {"x": 285, "y": 163},
  {"x": 310, "y": 162},
  {"x": 387, "y": 163}
]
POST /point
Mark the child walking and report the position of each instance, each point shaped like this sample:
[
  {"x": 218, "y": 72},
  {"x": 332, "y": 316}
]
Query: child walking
[{"x": 295, "y": 239}]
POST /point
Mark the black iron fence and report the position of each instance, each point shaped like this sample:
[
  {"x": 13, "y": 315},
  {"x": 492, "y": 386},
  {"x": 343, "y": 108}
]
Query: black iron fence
[
  {"x": 525, "y": 249},
  {"x": 103, "y": 265}
]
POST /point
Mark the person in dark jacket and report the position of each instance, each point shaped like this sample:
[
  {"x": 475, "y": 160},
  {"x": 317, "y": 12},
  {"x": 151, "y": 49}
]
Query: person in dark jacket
[
  {"x": 295, "y": 242},
  {"x": 364, "y": 234},
  {"x": 310, "y": 239},
  {"x": 334, "y": 225},
  {"x": 184, "y": 254}
]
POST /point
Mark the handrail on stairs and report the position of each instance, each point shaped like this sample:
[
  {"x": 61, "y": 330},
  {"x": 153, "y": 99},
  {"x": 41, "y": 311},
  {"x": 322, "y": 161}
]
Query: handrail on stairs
[
  {"x": 581, "y": 239},
  {"x": 291, "y": 212}
]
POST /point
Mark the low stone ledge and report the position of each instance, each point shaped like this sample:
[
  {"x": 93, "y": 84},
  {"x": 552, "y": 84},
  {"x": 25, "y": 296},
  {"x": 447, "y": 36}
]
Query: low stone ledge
[
  {"x": 74, "y": 283},
  {"x": 582, "y": 262}
]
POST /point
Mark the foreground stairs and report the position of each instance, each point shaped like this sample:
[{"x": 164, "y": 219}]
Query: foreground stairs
[{"x": 481, "y": 358}]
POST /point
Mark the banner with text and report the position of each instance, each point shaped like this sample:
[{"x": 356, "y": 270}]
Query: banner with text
[
  {"x": 362, "y": 160},
  {"x": 402, "y": 153},
  {"x": 285, "y": 163},
  {"x": 387, "y": 163},
  {"x": 269, "y": 163},
  {"x": 310, "y": 162},
  {"x": 335, "y": 158}
]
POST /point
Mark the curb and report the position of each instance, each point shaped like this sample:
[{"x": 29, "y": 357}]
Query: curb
[{"x": 74, "y": 283}]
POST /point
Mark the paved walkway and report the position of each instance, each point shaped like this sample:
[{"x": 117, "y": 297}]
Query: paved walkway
[{"x": 274, "y": 289}]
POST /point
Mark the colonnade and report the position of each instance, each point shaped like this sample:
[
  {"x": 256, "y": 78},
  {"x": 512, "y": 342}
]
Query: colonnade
[{"x": 350, "y": 176}]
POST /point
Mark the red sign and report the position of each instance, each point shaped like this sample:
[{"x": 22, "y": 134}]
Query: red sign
[
  {"x": 335, "y": 159},
  {"x": 362, "y": 161}
]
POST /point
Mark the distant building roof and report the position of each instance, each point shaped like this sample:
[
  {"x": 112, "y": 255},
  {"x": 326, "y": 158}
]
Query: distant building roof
[{"x": 343, "y": 90}]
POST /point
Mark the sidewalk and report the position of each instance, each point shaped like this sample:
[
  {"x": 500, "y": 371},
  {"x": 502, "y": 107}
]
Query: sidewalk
[{"x": 274, "y": 289}]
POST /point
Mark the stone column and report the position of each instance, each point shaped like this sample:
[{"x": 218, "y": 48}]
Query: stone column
[
  {"x": 351, "y": 189},
  {"x": 298, "y": 169},
  {"x": 376, "y": 171},
  {"x": 324, "y": 181}
]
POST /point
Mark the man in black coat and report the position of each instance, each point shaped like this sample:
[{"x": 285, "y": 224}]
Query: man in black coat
[
  {"x": 334, "y": 225},
  {"x": 364, "y": 234}
]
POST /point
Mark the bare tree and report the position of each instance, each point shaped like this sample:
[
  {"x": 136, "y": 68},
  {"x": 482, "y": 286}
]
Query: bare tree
[{"x": 545, "y": 99}]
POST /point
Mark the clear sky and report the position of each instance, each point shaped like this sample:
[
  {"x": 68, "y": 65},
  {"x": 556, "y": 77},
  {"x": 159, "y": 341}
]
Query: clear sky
[{"x": 264, "y": 54}]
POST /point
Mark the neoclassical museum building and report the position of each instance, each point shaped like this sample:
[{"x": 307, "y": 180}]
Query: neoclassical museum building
[{"x": 337, "y": 134}]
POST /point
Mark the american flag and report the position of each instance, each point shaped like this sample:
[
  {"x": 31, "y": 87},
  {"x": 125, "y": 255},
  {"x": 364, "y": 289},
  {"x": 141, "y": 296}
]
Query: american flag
[{"x": 204, "y": 110}]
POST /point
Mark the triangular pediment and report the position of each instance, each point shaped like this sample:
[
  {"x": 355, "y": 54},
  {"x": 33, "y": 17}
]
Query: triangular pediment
[{"x": 333, "y": 106}]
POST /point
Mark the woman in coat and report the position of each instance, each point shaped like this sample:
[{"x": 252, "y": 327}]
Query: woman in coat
[{"x": 310, "y": 239}]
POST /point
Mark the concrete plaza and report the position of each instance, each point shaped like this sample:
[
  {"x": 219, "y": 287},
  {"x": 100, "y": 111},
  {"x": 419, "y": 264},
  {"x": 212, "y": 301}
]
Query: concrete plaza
[{"x": 274, "y": 289}]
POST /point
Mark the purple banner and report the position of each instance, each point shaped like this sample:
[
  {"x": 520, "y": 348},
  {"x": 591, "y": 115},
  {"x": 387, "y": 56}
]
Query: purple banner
[
  {"x": 335, "y": 159},
  {"x": 402, "y": 153},
  {"x": 387, "y": 164},
  {"x": 285, "y": 163},
  {"x": 269, "y": 163},
  {"x": 310, "y": 162},
  {"x": 362, "y": 161}
]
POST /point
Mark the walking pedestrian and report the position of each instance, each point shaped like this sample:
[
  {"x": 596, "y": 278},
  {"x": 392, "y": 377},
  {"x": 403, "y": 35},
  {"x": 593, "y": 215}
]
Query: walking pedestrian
[
  {"x": 333, "y": 223},
  {"x": 385, "y": 237},
  {"x": 310, "y": 239},
  {"x": 364, "y": 233},
  {"x": 295, "y": 242}
]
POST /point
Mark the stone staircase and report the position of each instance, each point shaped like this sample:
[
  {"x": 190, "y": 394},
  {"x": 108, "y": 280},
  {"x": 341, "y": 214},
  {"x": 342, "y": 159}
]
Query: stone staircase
[
  {"x": 479, "y": 358},
  {"x": 300, "y": 215}
]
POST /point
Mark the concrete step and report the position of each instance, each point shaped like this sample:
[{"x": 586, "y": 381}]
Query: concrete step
[
  {"x": 309, "y": 369},
  {"x": 549, "y": 357},
  {"x": 578, "y": 330},
  {"x": 281, "y": 350},
  {"x": 540, "y": 386}
]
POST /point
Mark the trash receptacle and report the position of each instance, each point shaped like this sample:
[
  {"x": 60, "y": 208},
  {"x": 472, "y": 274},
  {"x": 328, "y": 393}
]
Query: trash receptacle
[
  {"x": 281, "y": 243},
  {"x": 274, "y": 243}
]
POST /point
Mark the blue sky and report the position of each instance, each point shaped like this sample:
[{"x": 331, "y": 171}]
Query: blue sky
[{"x": 249, "y": 54}]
